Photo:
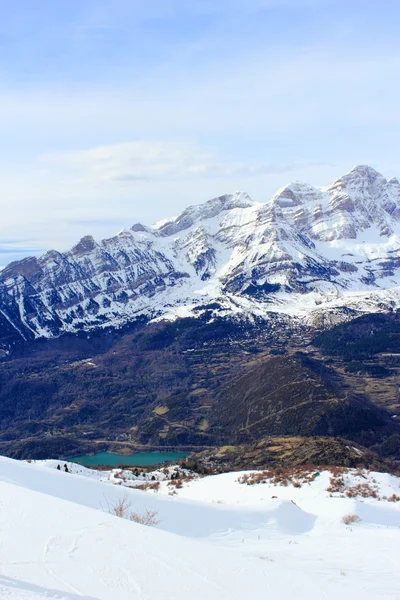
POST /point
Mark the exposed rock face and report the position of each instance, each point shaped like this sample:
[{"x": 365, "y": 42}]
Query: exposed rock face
[{"x": 304, "y": 251}]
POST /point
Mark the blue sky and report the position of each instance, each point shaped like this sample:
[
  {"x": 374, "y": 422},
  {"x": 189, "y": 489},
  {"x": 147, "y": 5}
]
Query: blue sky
[{"x": 112, "y": 113}]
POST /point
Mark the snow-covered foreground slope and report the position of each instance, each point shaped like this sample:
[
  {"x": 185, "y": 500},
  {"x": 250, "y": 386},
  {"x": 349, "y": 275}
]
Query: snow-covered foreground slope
[
  {"x": 304, "y": 250},
  {"x": 57, "y": 540}
]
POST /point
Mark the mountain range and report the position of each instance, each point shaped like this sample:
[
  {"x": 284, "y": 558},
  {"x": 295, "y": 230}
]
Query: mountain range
[{"x": 311, "y": 253}]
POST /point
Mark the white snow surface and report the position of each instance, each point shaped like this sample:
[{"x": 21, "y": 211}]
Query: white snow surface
[{"x": 218, "y": 539}]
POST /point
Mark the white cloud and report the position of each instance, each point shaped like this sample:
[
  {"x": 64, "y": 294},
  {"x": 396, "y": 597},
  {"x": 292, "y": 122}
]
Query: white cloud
[
  {"x": 254, "y": 121},
  {"x": 159, "y": 160}
]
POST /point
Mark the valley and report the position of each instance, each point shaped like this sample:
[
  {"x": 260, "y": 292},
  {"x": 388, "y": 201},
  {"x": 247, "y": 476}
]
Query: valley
[{"x": 193, "y": 384}]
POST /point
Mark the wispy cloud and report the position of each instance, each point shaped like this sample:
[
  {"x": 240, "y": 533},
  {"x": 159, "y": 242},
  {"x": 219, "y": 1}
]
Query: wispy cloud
[
  {"x": 12, "y": 250},
  {"x": 159, "y": 160}
]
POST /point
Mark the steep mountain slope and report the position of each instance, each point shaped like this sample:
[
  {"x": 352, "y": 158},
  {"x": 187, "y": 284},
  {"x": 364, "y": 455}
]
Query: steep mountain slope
[
  {"x": 118, "y": 384},
  {"x": 366, "y": 353},
  {"x": 295, "y": 395},
  {"x": 183, "y": 383},
  {"x": 363, "y": 338},
  {"x": 304, "y": 250}
]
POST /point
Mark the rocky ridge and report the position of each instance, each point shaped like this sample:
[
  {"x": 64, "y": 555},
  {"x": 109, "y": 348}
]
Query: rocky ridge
[{"x": 315, "y": 254}]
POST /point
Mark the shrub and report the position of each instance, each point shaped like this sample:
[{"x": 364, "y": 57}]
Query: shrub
[
  {"x": 338, "y": 485},
  {"x": 178, "y": 483},
  {"x": 155, "y": 486},
  {"x": 296, "y": 475},
  {"x": 394, "y": 498},
  {"x": 350, "y": 519},
  {"x": 149, "y": 517},
  {"x": 364, "y": 490},
  {"x": 122, "y": 509}
]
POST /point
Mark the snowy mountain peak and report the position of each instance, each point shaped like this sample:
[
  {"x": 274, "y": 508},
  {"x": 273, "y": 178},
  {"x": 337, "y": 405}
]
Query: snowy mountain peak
[
  {"x": 305, "y": 250},
  {"x": 138, "y": 227},
  {"x": 362, "y": 179},
  {"x": 84, "y": 246},
  {"x": 364, "y": 171},
  {"x": 208, "y": 210},
  {"x": 296, "y": 194}
]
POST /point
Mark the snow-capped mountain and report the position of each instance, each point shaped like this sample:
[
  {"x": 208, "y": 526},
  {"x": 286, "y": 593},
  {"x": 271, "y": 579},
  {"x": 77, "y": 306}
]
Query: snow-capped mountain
[{"x": 304, "y": 250}]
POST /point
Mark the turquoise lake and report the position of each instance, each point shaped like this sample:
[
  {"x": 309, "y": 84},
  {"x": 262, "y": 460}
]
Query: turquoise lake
[{"x": 138, "y": 459}]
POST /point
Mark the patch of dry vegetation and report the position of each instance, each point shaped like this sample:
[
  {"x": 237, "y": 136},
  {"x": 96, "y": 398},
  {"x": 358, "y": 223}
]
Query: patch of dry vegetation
[
  {"x": 338, "y": 485},
  {"x": 122, "y": 509},
  {"x": 297, "y": 476},
  {"x": 341, "y": 481},
  {"x": 350, "y": 519},
  {"x": 147, "y": 485}
]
